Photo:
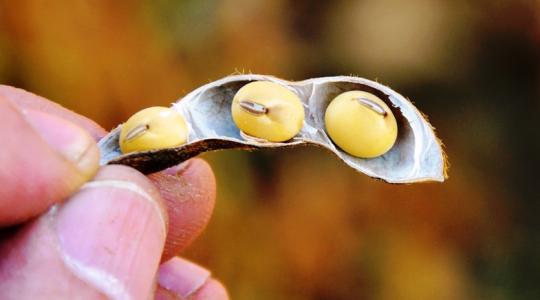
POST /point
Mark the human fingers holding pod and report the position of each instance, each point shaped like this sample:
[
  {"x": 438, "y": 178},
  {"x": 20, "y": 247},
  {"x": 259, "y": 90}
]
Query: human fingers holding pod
[
  {"x": 44, "y": 160},
  {"x": 106, "y": 238}
]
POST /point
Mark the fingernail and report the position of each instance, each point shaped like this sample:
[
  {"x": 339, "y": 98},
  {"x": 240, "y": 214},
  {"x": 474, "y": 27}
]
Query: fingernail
[
  {"x": 111, "y": 234},
  {"x": 71, "y": 141},
  {"x": 182, "y": 277},
  {"x": 212, "y": 290}
]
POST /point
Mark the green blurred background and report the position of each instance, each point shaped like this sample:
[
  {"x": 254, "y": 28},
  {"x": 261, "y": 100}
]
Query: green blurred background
[{"x": 299, "y": 224}]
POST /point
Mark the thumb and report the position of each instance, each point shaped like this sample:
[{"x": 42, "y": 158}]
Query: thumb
[{"x": 106, "y": 240}]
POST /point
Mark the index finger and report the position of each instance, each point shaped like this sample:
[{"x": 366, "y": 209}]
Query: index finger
[
  {"x": 44, "y": 159},
  {"x": 189, "y": 191}
]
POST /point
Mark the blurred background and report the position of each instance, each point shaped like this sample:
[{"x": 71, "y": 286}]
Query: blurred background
[{"x": 299, "y": 224}]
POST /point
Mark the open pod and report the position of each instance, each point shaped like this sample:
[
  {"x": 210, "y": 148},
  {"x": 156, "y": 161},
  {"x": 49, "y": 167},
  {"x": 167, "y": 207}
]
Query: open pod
[{"x": 416, "y": 156}]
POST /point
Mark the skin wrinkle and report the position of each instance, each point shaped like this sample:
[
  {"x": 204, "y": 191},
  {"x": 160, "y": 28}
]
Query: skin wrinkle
[
  {"x": 180, "y": 191},
  {"x": 129, "y": 186},
  {"x": 104, "y": 282}
]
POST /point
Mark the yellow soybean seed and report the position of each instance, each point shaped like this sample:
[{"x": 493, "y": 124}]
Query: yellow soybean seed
[
  {"x": 361, "y": 124},
  {"x": 268, "y": 111},
  {"x": 153, "y": 128}
]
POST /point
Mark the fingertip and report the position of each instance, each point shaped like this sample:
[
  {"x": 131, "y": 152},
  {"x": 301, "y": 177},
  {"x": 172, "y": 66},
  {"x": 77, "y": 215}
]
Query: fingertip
[
  {"x": 212, "y": 290},
  {"x": 189, "y": 191},
  {"x": 44, "y": 160},
  {"x": 180, "y": 278}
]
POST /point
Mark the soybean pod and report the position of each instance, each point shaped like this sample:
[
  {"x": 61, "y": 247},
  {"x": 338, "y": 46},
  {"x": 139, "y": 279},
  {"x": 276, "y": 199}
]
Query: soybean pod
[{"x": 258, "y": 111}]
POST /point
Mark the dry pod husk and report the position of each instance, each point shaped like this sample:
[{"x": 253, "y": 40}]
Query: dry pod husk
[{"x": 416, "y": 156}]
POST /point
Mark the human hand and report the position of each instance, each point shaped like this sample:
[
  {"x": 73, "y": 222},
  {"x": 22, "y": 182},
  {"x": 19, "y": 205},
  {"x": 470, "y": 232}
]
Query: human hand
[{"x": 111, "y": 232}]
